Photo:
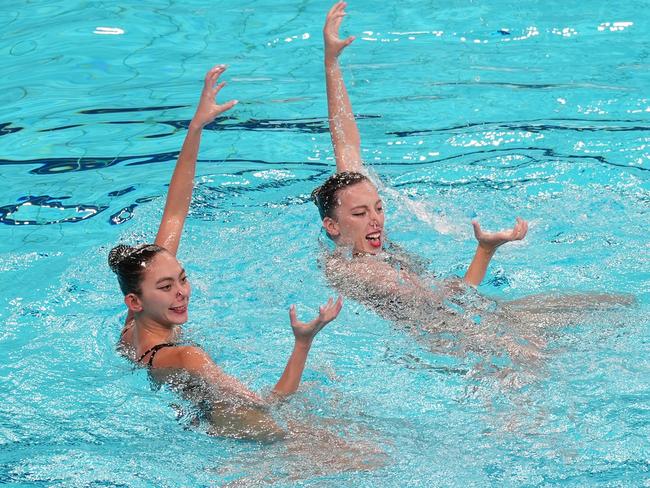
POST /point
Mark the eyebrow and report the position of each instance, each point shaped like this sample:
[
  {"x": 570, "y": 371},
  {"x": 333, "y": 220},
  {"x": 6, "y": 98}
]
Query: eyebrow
[
  {"x": 169, "y": 278},
  {"x": 366, "y": 206}
]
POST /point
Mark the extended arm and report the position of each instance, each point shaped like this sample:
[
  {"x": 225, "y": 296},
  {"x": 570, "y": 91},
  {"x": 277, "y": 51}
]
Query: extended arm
[
  {"x": 182, "y": 182},
  {"x": 235, "y": 411},
  {"x": 343, "y": 128},
  {"x": 304, "y": 335},
  {"x": 488, "y": 242},
  {"x": 198, "y": 362},
  {"x": 239, "y": 412}
]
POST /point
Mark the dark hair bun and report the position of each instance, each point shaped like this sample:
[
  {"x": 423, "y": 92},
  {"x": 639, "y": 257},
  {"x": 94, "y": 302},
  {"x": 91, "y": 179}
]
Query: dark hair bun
[{"x": 117, "y": 255}]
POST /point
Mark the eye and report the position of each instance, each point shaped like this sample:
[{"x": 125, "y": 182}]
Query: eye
[
  {"x": 165, "y": 287},
  {"x": 359, "y": 214},
  {"x": 184, "y": 279},
  {"x": 380, "y": 209}
]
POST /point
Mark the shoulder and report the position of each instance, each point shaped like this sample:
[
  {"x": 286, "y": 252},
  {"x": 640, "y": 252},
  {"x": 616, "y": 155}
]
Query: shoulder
[
  {"x": 339, "y": 269},
  {"x": 192, "y": 358},
  {"x": 366, "y": 267}
]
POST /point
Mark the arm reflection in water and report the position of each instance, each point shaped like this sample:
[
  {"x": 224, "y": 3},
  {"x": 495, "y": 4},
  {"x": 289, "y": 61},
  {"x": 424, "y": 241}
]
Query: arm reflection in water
[{"x": 450, "y": 316}]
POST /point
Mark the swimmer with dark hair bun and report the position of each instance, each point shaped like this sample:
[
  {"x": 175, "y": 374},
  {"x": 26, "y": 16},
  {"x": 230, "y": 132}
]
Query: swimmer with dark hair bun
[
  {"x": 157, "y": 293},
  {"x": 365, "y": 266}
]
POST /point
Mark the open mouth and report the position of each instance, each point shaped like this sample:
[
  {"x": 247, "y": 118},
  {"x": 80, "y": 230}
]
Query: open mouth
[
  {"x": 180, "y": 309},
  {"x": 374, "y": 239}
]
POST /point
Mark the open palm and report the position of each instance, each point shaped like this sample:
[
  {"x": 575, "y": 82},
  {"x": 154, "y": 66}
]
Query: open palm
[
  {"x": 306, "y": 331},
  {"x": 208, "y": 108},
  {"x": 492, "y": 240},
  {"x": 333, "y": 44}
]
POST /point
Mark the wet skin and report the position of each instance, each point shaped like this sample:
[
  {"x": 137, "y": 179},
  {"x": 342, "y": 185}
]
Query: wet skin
[
  {"x": 358, "y": 219},
  {"x": 165, "y": 291}
]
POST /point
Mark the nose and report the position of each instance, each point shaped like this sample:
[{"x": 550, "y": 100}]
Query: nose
[
  {"x": 374, "y": 218},
  {"x": 182, "y": 291}
]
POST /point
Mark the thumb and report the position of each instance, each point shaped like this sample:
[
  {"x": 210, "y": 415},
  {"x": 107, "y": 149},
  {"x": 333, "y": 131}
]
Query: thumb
[
  {"x": 349, "y": 40},
  {"x": 228, "y": 105},
  {"x": 292, "y": 315},
  {"x": 477, "y": 228}
]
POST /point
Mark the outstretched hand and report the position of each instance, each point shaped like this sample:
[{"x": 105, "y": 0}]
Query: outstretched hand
[
  {"x": 305, "y": 332},
  {"x": 333, "y": 44},
  {"x": 492, "y": 240},
  {"x": 208, "y": 108}
]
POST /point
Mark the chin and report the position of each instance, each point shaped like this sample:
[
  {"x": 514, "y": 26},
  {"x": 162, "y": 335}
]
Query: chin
[
  {"x": 178, "y": 320},
  {"x": 368, "y": 249}
]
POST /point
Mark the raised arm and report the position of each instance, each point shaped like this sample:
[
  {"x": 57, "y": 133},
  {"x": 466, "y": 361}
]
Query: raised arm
[
  {"x": 343, "y": 128},
  {"x": 488, "y": 242},
  {"x": 182, "y": 182}
]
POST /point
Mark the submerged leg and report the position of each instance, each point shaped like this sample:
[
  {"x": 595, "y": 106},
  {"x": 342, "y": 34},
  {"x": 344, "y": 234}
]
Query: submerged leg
[
  {"x": 542, "y": 303},
  {"x": 554, "y": 311}
]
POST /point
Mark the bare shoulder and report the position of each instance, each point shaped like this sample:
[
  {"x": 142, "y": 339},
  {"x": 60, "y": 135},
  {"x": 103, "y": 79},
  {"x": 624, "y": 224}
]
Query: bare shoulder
[
  {"x": 340, "y": 270},
  {"x": 191, "y": 358},
  {"x": 368, "y": 267}
]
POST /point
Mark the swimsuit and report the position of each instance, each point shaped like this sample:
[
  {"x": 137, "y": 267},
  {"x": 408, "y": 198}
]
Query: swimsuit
[{"x": 153, "y": 350}]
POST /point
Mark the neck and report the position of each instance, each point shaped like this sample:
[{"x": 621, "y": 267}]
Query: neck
[
  {"x": 148, "y": 331},
  {"x": 351, "y": 251},
  {"x": 359, "y": 254}
]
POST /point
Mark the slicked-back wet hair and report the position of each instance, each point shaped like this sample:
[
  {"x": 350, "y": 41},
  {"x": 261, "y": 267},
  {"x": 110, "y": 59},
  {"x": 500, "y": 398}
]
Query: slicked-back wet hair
[
  {"x": 325, "y": 196},
  {"x": 129, "y": 264}
]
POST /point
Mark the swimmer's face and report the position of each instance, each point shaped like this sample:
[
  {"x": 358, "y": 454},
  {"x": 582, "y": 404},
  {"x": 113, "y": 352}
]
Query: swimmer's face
[
  {"x": 165, "y": 291},
  {"x": 358, "y": 219}
]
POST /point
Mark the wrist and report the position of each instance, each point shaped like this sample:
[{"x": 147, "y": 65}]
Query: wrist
[
  {"x": 302, "y": 344},
  {"x": 488, "y": 249},
  {"x": 195, "y": 126},
  {"x": 331, "y": 59}
]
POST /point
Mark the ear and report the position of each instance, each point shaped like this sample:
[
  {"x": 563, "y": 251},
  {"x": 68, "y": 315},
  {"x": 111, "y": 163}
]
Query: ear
[
  {"x": 331, "y": 227},
  {"x": 133, "y": 302}
]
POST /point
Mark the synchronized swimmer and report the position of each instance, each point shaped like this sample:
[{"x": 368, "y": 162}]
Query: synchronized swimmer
[
  {"x": 157, "y": 294},
  {"x": 368, "y": 268},
  {"x": 365, "y": 266}
]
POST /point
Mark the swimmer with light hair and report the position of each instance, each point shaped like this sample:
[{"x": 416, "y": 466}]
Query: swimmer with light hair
[
  {"x": 157, "y": 294},
  {"x": 368, "y": 268}
]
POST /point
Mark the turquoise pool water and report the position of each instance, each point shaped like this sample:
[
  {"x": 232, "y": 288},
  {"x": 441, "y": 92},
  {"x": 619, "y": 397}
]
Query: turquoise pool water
[{"x": 471, "y": 109}]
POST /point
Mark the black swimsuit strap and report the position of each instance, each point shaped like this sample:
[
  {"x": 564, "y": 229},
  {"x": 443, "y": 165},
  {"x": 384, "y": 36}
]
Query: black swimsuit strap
[
  {"x": 127, "y": 327},
  {"x": 153, "y": 350}
]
